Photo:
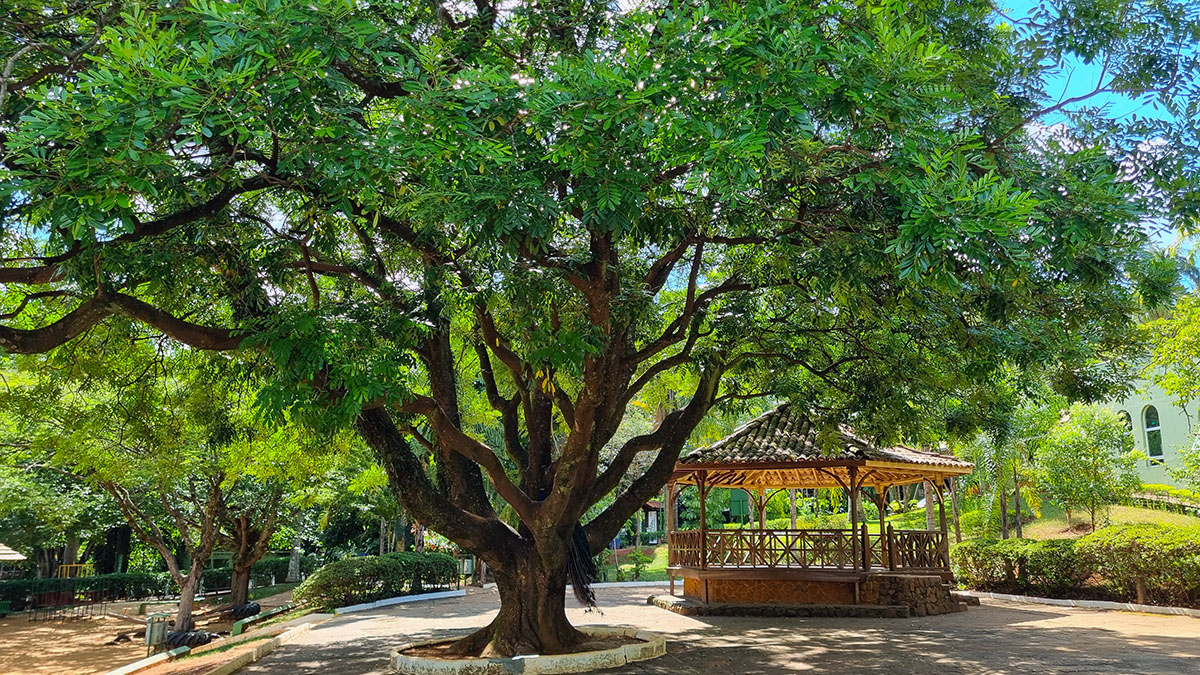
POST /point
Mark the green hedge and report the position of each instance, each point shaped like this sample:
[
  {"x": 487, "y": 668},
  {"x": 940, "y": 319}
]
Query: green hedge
[
  {"x": 1165, "y": 558},
  {"x": 1019, "y": 565},
  {"x": 117, "y": 586},
  {"x": 426, "y": 569},
  {"x": 370, "y": 578}
]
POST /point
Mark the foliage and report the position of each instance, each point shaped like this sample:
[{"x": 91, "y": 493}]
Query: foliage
[
  {"x": 370, "y": 578},
  {"x": 1087, "y": 461},
  {"x": 430, "y": 568},
  {"x": 638, "y": 558},
  {"x": 1049, "y": 567},
  {"x": 1166, "y": 559},
  {"x": 428, "y": 218},
  {"x": 1175, "y": 349},
  {"x": 133, "y": 585}
]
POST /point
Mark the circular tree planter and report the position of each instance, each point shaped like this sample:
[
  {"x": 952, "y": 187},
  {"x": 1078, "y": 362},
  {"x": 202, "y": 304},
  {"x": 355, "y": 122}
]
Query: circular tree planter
[{"x": 649, "y": 646}]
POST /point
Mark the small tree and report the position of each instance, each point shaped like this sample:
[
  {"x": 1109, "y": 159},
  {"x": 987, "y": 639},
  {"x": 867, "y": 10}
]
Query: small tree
[{"x": 1088, "y": 461}]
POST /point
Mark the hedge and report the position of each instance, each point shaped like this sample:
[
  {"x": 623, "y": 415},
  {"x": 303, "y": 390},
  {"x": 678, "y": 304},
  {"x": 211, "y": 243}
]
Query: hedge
[
  {"x": 125, "y": 585},
  {"x": 1019, "y": 565},
  {"x": 262, "y": 573},
  {"x": 1164, "y": 559},
  {"x": 370, "y": 578}
]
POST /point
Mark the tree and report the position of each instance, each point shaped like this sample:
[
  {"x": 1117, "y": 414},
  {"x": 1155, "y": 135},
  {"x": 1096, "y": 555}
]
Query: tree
[
  {"x": 1087, "y": 461},
  {"x": 428, "y": 218}
]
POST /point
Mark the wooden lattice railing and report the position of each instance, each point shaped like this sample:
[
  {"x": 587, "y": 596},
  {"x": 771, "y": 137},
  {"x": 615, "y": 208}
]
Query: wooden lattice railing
[{"x": 804, "y": 549}]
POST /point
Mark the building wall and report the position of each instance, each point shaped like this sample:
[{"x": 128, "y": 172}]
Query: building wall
[{"x": 1177, "y": 425}]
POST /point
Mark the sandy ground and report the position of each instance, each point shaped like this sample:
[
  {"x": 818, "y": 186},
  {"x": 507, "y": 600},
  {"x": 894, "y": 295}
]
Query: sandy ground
[
  {"x": 77, "y": 647},
  {"x": 994, "y": 638},
  {"x": 45, "y": 647}
]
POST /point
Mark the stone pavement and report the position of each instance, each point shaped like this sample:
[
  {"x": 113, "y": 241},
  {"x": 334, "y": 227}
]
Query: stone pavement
[{"x": 995, "y": 638}]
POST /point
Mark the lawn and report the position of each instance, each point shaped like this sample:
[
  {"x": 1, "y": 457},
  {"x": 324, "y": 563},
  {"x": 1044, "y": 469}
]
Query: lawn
[{"x": 656, "y": 569}]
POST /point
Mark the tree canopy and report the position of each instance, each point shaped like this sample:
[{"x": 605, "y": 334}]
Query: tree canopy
[{"x": 421, "y": 218}]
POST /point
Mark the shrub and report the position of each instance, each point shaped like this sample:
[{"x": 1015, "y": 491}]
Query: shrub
[
  {"x": 1163, "y": 560},
  {"x": 116, "y": 586},
  {"x": 639, "y": 560},
  {"x": 1020, "y": 565},
  {"x": 352, "y": 581}
]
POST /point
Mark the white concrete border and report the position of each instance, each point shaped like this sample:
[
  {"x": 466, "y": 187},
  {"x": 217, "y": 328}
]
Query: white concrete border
[
  {"x": 150, "y": 661},
  {"x": 1087, "y": 604},
  {"x": 244, "y": 659},
  {"x": 651, "y": 646},
  {"x": 438, "y": 595}
]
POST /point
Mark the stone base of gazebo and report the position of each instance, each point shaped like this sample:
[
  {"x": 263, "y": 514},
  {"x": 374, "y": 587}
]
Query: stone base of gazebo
[{"x": 922, "y": 594}]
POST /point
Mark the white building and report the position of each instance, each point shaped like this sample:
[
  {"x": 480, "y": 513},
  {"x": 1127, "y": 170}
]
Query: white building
[{"x": 1160, "y": 428}]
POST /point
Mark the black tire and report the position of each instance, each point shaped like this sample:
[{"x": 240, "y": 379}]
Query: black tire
[
  {"x": 243, "y": 611},
  {"x": 193, "y": 638}
]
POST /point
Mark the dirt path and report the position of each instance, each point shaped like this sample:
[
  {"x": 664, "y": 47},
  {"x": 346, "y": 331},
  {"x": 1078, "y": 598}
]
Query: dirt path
[
  {"x": 46, "y": 647},
  {"x": 995, "y": 638}
]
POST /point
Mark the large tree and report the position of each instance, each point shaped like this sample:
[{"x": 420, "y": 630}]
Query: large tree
[{"x": 430, "y": 217}]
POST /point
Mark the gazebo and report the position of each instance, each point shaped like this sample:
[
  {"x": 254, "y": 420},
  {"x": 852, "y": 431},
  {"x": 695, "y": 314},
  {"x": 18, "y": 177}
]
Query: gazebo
[{"x": 779, "y": 451}]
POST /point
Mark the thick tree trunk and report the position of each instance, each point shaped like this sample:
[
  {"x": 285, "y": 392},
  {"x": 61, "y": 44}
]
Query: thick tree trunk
[
  {"x": 954, "y": 509},
  {"x": 239, "y": 593},
  {"x": 532, "y": 618}
]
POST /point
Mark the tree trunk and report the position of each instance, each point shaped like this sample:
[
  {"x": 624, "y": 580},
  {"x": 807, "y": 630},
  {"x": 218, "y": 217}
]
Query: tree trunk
[
  {"x": 187, "y": 600},
  {"x": 239, "y": 589},
  {"x": 293, "y": 574},
  {"x": 1003, "y": 515},
  {"x": 1070, "y": 525},
  {"x": 1017, "y": 502},
  {"x": 792, "y": 508},
  {"x": 382, "y": 535},
  {"x": 637, "y": 530},
  {"x": 532, "y": 618}
]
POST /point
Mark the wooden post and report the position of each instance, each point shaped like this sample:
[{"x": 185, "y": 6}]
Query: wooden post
[
  {"x": 854, "y": 517},
  {"x": 891, "y": 549},
  {"x": 704, "y": 524},
  {"x": 881, "y": 495},
  {"x": 866, "y": 548},
  {"x": 954, "y": 508},
  {"x": 762, "y": 509},
  {"x": 671, "y": 559},
  {"x": 944, "y": 549}
]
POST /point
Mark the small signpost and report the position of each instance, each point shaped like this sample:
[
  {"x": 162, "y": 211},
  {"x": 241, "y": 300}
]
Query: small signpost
[{"x": 156, "y": 632}]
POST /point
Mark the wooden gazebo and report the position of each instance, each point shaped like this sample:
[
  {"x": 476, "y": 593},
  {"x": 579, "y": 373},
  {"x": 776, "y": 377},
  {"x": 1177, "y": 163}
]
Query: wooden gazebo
[{"x": 778, "y": 451}]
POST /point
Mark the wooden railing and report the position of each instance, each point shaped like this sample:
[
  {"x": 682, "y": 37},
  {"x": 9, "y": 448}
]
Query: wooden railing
[{"x": 805, "y": 549}]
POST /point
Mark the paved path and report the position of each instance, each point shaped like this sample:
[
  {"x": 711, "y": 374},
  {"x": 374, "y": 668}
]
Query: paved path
[{"x": 995, "y": 638}]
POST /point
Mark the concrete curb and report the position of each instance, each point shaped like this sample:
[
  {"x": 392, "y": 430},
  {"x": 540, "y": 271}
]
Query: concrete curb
[
  {"x": 240, "y": 625},
  {"x": 1087, "y": 604},
  {"x": 651, "y": 646},
  {"x": 150, "y": 661},
  {"x": 245, "y": 659},
  {"x": 399, "y": 601}
]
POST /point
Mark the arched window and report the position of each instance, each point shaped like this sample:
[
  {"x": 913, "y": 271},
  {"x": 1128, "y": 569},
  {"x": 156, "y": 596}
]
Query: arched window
[
  {"x": 1153, "y": 432},
  {"x": 1127, "y": 420}
]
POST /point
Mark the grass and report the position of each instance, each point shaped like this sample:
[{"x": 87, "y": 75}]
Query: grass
[
  {"x": 255, "y": 593},
  {"x": 655, "y": 570},
  {"x": 1053, "y": 523}
]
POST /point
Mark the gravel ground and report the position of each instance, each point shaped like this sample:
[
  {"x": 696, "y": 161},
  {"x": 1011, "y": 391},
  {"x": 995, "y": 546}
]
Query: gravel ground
[{"x": 994, "y": 638}]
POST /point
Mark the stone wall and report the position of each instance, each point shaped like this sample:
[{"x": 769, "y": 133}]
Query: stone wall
[{"x": 924, "y": 595}]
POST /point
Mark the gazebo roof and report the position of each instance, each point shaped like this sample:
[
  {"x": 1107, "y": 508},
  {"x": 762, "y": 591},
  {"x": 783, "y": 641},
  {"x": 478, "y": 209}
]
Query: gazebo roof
[
  {"x": 9, "y": 555},
  {"x": 780, "y": 449}
]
